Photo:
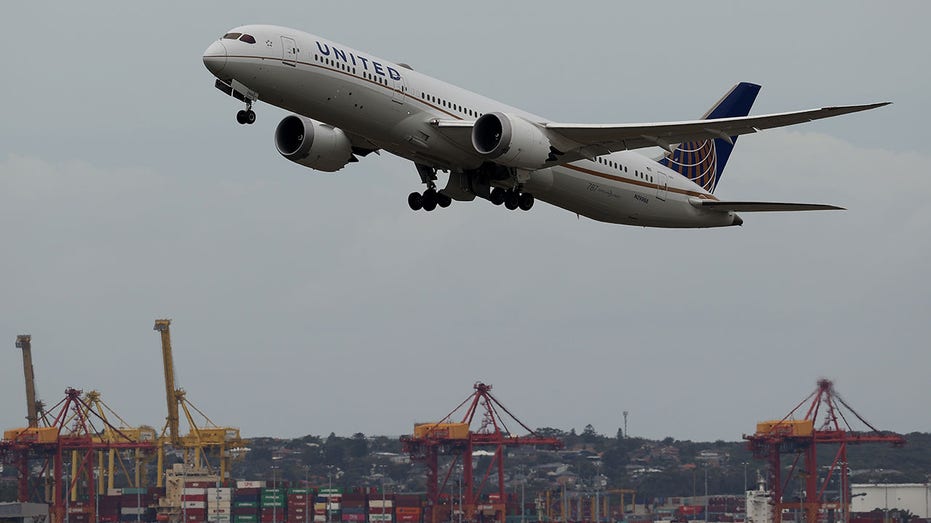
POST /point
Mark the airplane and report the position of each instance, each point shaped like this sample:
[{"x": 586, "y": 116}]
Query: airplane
[{"x": 348, "y": 103}]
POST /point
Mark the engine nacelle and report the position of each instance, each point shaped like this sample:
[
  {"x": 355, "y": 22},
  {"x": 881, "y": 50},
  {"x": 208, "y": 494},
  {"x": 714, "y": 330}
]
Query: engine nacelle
[
  {"x": 312, "y": 144},
  {"x": 510, "y": 140}
]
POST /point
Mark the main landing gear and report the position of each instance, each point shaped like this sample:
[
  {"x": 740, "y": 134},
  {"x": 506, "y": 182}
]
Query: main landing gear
[
  {"x": 247, "y": 116},
  {"x": 511, "y": 198},
  {"x": 429, "y": 200}
]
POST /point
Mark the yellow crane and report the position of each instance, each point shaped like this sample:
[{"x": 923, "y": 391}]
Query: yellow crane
[
  {"x": 623, "y": 492},
  {"x": 34, "y": 408},
  {"x": 122, "y": 433},
  {"x": 197, "y": 444}
]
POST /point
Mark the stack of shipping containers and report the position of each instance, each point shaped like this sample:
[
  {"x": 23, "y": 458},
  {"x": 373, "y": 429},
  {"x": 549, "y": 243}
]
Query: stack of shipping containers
[
  {"x": 353, "y": 507},
  {"x": 78, "y": 512},
  {"x": 299, "y": 505},
  {"x": 194, "y": 502},
  {"x": 135, "y": 503},
  {"x": 273, "y": 505},
  {"x": 246, "y": 501},
  {"x": 327, "y": 505},
  {"x": 219, "y": 505},
  {"x": 408, "y": 508},
  {"x": 253, "y": 502},
  {"x": 381, "y": 509},
  {"x": 108, "y": 507}
]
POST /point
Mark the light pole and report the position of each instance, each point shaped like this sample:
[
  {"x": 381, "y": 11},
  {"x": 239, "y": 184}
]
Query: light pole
[
  {"x": 96, "y": 498},
  {"x": 275, "y": 490},
  {"x": 383, "y": 494},
  {"x": 67, "y": 487},
  {"x": 523, "y": 485},
  {"x": 460, "y": 493},
  {"x": 183, "y": 486},
  {"x": 307, "y": 489},
  {"x": 329, "y": 476}
]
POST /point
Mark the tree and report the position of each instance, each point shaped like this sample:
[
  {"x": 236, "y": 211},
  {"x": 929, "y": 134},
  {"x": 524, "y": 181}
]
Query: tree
[{"x": 358, "y": 446}]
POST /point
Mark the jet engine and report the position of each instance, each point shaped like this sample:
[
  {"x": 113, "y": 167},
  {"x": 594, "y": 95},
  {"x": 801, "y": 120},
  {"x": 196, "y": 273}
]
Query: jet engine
[
  {"x": 313, "y": 144},
  {"x": 512, "y": 141}
]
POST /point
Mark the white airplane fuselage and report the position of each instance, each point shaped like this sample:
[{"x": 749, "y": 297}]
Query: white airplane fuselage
[{"x": 392, "y": 107}]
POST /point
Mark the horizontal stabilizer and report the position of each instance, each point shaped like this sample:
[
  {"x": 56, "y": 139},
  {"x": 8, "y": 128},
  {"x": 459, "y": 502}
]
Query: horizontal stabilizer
[{"x": 714, "y": 205}]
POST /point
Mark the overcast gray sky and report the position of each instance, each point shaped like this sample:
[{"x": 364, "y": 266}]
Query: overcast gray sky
[{"x": 306, "y": 303}]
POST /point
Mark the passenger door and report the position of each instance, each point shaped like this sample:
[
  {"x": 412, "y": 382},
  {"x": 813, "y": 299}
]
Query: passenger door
[
  {"x": 398, "y": 88},
  {"x": 288, "y": 51},
  {"x": 662, "y": 185}
]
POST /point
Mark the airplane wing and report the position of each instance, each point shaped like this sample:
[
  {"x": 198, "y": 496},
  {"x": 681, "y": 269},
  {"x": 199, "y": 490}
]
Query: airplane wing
[
  {"x": 724, "y": 206},
  {"x": 580, "y": 141},
  {"x": 664, "y": 134}
]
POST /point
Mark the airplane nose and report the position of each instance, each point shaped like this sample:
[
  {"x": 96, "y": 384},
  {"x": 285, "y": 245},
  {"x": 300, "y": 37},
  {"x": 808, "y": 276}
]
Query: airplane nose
[{"x": 215, "y": 57}]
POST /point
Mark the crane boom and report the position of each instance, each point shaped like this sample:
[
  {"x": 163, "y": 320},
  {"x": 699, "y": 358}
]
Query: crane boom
[
  {"x": 24, "y": 341},
  {"x": 162, "y": 326}
]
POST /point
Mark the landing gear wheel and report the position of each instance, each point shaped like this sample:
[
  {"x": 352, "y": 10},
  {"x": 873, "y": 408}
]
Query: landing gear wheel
[
  {"x": 246, "y": 116},
  {"x": 525, "y": 201},
  {"x": 429, "y": 200},
  {"x": 497, "y": 196},
  {"x": 415, "y": 201},
  {"x": 511, "y": 200},
  {"x": 442, "y": 200}
]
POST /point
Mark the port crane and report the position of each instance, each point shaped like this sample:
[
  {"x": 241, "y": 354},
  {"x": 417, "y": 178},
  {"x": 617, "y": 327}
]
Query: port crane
[
  {"x": 204, "y": 438},
  {"x": 801, "y": 435},
  {"x": 34, "y": 408},
  {"x": 112, "y": 432},
  {"x": 73, "y": 436},
  {"x": 456, "y": 439}
]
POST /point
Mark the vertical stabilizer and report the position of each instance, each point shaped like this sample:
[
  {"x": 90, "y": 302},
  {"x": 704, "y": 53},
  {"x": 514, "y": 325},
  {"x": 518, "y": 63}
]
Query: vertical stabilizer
[{"x": 703, "y": 161}]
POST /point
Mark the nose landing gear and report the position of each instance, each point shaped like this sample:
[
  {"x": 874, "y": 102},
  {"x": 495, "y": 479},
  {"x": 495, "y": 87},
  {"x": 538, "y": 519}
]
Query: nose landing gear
[{"x": 247, "y": 116}]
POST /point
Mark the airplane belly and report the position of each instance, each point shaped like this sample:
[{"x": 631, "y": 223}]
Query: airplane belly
[{"x": 621, "y": 203}]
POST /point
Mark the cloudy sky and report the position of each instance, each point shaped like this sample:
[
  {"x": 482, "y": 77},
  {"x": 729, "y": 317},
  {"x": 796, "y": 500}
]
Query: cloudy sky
[{"x": 307, "y": 303}]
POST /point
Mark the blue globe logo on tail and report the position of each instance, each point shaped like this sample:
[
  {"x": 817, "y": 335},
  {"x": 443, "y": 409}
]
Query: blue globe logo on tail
[{"x": 703, "y": 161}]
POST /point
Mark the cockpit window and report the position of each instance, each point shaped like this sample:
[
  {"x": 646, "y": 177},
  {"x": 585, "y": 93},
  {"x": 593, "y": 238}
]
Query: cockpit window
[
  {"x": 232, "y": 36},
  {"x": 249, "y": 39}
]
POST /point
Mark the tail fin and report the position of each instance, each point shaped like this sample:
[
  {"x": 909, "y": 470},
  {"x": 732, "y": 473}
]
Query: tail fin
[{"x": 704, "y": 161}]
